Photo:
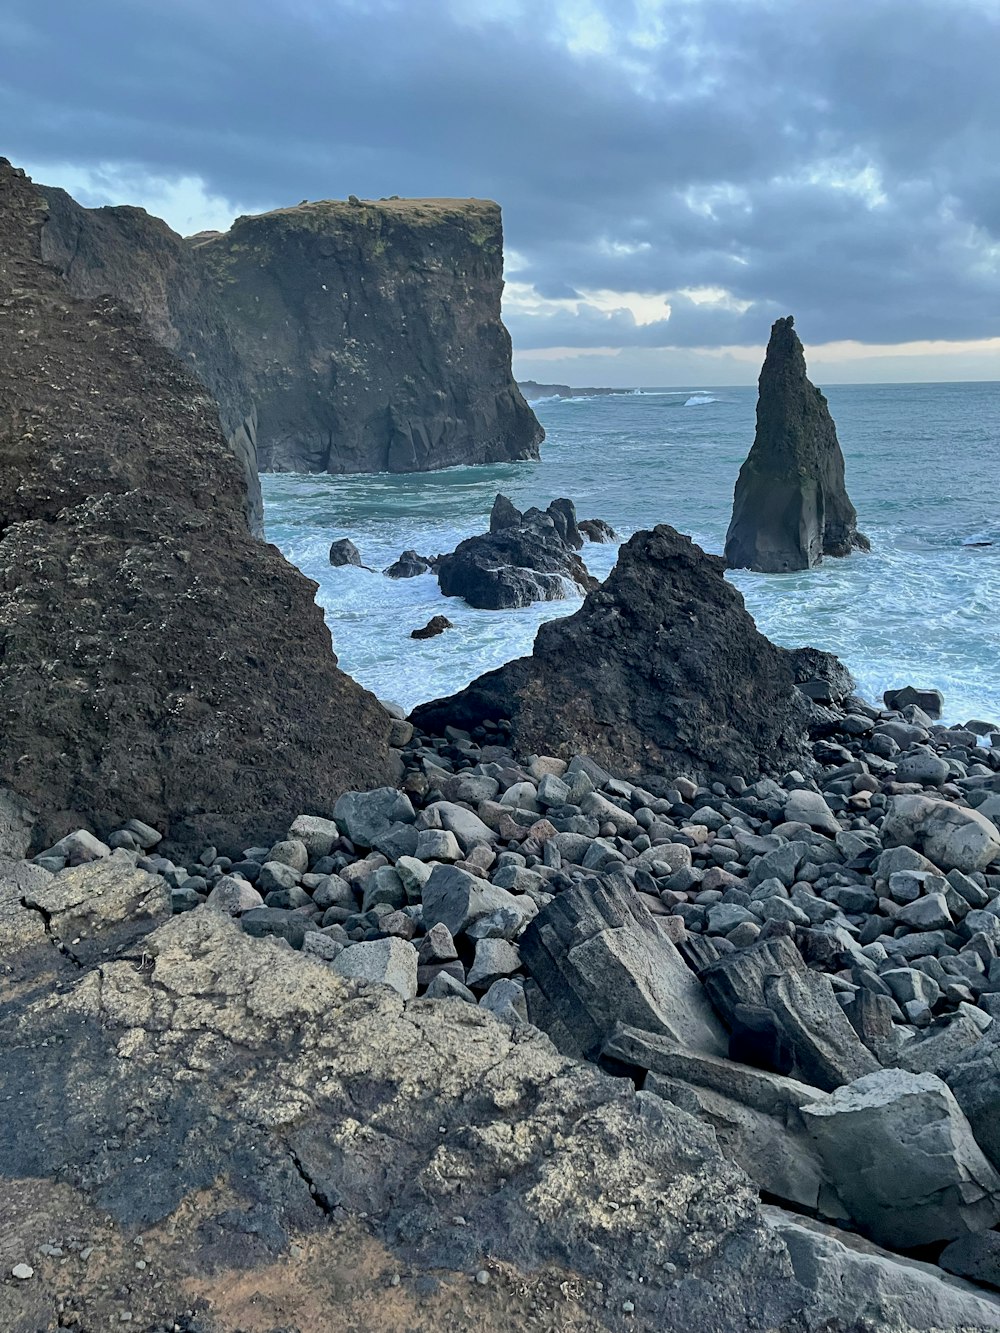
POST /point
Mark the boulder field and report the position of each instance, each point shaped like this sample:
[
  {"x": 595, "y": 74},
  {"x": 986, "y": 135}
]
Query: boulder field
[
  {"x": 156, "y": 659},
  {"x": 791, "y": 505},
  {"x": 518, "y": 1043}
]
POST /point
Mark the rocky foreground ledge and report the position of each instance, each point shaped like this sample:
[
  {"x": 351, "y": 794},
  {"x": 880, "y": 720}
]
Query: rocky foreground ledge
[{"x": 365, "y": 1042}]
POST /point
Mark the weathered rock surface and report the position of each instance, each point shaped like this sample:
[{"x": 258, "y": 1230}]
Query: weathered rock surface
[
  {"x": 524, "y": 558},
  {"x": 974, "y": 1078},
  {"x": 904, "y": 1160},
  {"x": 953, "y": 837},
  {"x": 232, "y": 1072},
  {"x": 791, "y": 505},
  {"x": 435, "y": 626},
  {"x": 372, "y": 336},
  {"x": 662, "y": 667},
  {"x": 138, "y": 260},
  {"x": 155, "y": 659},
  {"x": 855, "y": 1285},
  {"x": 596, "y": 957}
]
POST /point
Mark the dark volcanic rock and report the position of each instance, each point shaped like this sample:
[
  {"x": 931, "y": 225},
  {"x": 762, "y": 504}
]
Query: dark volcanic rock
[
  {"x": 596, "y": 530},
  {"x": 436, "y": 625},
  {"x": 344, "y": 552},
  {"x": 661, "y": 668},
  {"x": 155, "y": 659},
  {"x": 409, "y": 566},
  {"x": 125, "y": 253},
  {"x": 372, "y": 335},
  {"x": 791, "y": 505},
  {"x": 524, "y": 558}
]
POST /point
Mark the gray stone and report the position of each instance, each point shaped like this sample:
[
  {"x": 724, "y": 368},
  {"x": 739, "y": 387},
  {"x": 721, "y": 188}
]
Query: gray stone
[
  {"x": 596, "y": 957},
  {"x": 437, "y": 946},
  {"x": 505, "y": 998},
  {"x": 389, "y": 962},
  {"x": 385, "y": 886},
  {"x": 277, "y": 875},
  {"x": 234, "y": 895},
  {"x": 78, "y": 848},
  {"x": 363, "y": 815},
  {"x": 144, "y": 834},
  {"x": 810, "y": 807},
  {"x": 552, "y": 791},
  {"x": 467, "y": 827},
  {"x": 332, "y": 891},
  {"x": 414, "y": 875},
  {"x": 974, "y": 1078},
  {"x": 976, "y": 1257},
  {"x": 437, "y": 844},
  {"x": 922, "y": 766},
  {"x": 292, "y": 853},
  {"x": 457, "y": 899},
  {"x": 285, "y": 925},
  {"x": 828, "y": 1052},
  {"x": 952, "y": 837},
  {"x": 494, "y": 958},
  {"x": 904, "y": 1160},
  {"x": 318, "y": 945},
  {"x": 316, "y": 834},
  {"x": 853, "y": 1284},
  {"x": 927, "y": 913},
  {"x": 444, "y": 986}
]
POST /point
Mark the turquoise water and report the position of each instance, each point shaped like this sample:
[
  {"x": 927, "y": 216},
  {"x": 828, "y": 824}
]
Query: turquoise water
[{"x": 923, "y": 467}]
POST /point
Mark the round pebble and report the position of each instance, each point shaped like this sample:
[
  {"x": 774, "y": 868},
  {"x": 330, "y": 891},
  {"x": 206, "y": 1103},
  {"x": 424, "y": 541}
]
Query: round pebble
[
  {"x": 482, "y": 1277},
  {"x": 22, "y": 1272}
]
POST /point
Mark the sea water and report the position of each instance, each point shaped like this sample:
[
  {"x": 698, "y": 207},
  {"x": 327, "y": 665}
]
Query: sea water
[{"x": 923, "y": 470}]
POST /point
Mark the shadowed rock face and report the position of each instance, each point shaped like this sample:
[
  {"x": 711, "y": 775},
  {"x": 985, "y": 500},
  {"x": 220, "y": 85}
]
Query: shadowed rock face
[
  {"x": 135, "y": 258},
  {"x": 156, "y": 660},
  {"x": 373, "y": 336},
  {"x": 661, "y": 668},
  {"x": 791, "y": 505}
]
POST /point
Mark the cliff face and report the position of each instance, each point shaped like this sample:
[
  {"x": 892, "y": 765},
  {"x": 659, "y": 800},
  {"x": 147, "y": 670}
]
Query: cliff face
[
  {"x": 156, "y": 660},
  {"x": 125, "y": 253},
  {"x": 372, "y": 334},
  {"x": 791, "y": 505}
]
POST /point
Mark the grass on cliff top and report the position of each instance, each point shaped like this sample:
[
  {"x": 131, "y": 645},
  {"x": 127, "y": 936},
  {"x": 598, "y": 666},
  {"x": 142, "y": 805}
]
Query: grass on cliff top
[{"x": 412, "y": 212}]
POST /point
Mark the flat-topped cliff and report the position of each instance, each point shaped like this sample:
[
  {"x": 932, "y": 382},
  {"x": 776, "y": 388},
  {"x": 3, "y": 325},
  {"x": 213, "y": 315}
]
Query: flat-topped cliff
[{"x": 372, "y": 334}]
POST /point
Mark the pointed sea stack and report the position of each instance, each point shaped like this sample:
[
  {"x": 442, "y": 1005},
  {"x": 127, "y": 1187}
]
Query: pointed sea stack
[{"x": 791, "y": 505}]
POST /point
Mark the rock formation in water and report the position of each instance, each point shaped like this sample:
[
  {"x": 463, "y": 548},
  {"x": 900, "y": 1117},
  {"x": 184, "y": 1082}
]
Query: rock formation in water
[
  {"x": 125, "y": 253},
  {"x": 791, "y": 505},
  {"x": 155, "y": 659},
  {"x": 661, "y": 667},
  {"x": 372, "y": 334},
  {"x": 524, "y": 558}
]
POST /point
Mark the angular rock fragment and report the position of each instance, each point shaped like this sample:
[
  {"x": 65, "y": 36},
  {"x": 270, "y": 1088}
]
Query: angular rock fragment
[
  {"x": 904, "y": 1160},
  {"x": 596, "y": 957}
]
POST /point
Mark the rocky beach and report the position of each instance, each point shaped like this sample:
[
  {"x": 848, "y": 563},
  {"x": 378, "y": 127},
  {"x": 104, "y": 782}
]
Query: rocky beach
[{"x": 651, "y": 981}]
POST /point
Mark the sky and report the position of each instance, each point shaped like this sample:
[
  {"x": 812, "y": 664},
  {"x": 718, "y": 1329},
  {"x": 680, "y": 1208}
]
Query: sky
[{"x": 674, "y": 174}]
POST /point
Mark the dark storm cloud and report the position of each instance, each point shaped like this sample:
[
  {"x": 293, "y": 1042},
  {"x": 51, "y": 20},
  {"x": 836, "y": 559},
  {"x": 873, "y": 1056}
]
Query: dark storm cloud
[{"x": 832, "y": 159}]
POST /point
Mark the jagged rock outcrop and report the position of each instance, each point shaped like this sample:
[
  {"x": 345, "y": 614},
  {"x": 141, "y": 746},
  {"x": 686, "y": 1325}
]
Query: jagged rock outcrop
[
  {"x": 156, "y": 660},
  {"x": 662, "y": 667},
  {"x": 791, "y": 505},
  {"x": 524, "y": 558},
  {"x": 372, "y": 334},
  {"x": 257, "y": 1107},
  {"x": 126, "y": 253}
]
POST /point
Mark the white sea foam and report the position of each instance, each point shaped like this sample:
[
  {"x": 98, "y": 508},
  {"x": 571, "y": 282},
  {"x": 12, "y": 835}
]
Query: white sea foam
[{"x": 700, "y": 400}]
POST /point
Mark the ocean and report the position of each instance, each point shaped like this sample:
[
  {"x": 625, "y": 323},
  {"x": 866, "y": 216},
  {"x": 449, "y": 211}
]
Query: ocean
[{"x": 923, "y": 467}]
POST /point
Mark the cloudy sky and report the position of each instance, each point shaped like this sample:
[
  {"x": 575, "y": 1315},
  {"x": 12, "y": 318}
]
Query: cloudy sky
[{"x": 674, "y": 174}]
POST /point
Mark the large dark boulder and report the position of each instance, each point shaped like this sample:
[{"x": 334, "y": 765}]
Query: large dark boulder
[
  {"x": 156, "y": 659},
  {"x": 661, "y": 669},
  {"x": 372, "y": 334},
  {"x": 791, "y": 505},
  {"x": 524, "y": 558}
]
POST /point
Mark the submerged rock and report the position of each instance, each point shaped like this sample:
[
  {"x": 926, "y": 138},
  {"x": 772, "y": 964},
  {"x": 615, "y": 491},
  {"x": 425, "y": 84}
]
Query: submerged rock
[
  {"x": 662, "y": 667},
  {"x": 791, "y": 505},
  {"x": 596, "y": 530},
  {"x": 436, "y": 625}
]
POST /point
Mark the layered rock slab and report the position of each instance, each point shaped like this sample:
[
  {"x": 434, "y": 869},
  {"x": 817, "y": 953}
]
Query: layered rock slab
[
  {"x": 791, "y": 506},
  {"x": 232, "y": 1059},
  {"x": 661, "y": 668},
  {"x": 372, "y": 335}
]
